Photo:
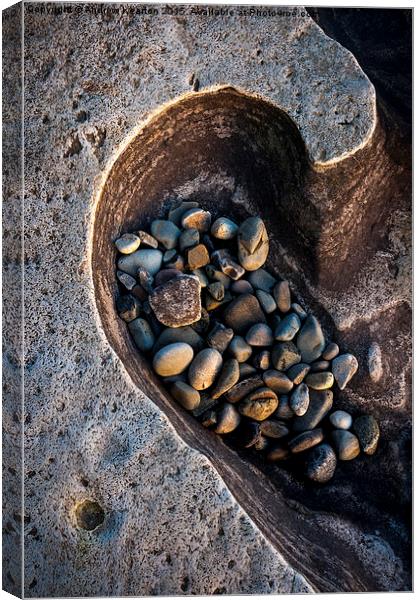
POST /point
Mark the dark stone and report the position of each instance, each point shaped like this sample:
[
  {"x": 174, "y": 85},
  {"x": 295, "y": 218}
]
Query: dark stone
[
  {"x": 219, "y": 337},
  {"x": 178, "y": 301},
  {"x": 243, "y": 312}
]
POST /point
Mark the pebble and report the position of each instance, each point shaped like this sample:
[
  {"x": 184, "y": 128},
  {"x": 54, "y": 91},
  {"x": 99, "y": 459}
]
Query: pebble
[
  {"x": 262, "y": 360},
  {"x": 300, "y": 400},
  {"x": 128, "y": 307},
  {"x": 368, "y": 432},
  {"x": 273, "y": 429},
  {"x": 240, "y": 349},
  {"x": 127, "y": 281},
  {"x": 320, "y": 381},
  {"x": 319, "y": 405},
  {"x": 203, "y": 324},
  {"x": 283, "y": 411},
  {"x": 151, "y": 260},
  {"x": 212, "y": 304},
  {"x": 207, "y": 404},
  {"x": 147, "y": 240},
  {"x": 185, "y": 334},
  {"x": 285, "y": 355},
  {"x": 243, "y": 388},
  {"x": 278, "y": 452},
  {"x": 224, "y": 229},
  {"x": 253, "y": 244},
  {"x": 320, "y": 365},
  {"x": 205, "y": 368},
  {"x": 243, "y": 312},
  {"x": 228, "y": 419},
  {"x": 185, "y": 395},
  {"x": 306, "y": 440},
  {"x": 216, "y": 290},
  {"x": 188, "y": 238},
  {"x": 165, "y": 232},
  {"x": 282, "y": 295},
  {"x": 139, "y": 293},
  {"x": 287, "y": 328},
  {"x": 340, "y": 419},
  {"x": 176, "y": 213},
  {"x": 127, "y": 243},
  {"x": 299, "y": 310},
  {"x": 230, "y": 268},
  {"x": 260, "y": 334},
  {"x": 321, "y": 463},
  {"x": 310, "y": 340},
  {"x": 216, "y": 275},
  {"x": 229, "y": 376},
  {"x": 197, "y": 257},
  {"x": 266, "y": 301},
  {"x": 331, "y": 351},
  {"x": 176, "y": 262},
  {"x": 344, "y": 368},
  {"x": 173, "y": 359},
  {"x": 246, "y": 370},
  {"x": 197, "y": 218},
  {"x": 178, "y": 301},
  {"x": 259, "y": 404},
  {"x": 145, "y": 279},
  {"x": 277, "y": 381},
  {"x": 219, "y": 337},
  {"x": 203, "y": 279},
  {"x": 346, "y": 444},
  {"x": 261, "y": 280},
  {"x": 169, "y": 255},
  {"x": 241, "y": 286},
  {"x": 298, "y": 372},
  {"x": 142, "y": 334},
  {"x": 375, "y": 364},
  {"x": 165, "y": 275}
]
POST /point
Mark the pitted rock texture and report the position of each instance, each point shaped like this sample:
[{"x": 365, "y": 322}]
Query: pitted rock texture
[{"x": 89, "y": 432}]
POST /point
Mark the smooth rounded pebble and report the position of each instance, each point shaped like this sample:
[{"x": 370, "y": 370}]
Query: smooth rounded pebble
[
  {"x": 205, "y": 368},
  {"x": 150, "y": 260},
  {"x": 179, "y": 208},
  {"x": 197, "y": 218},
  {"x": 228, "y": 419},
  {"x": 246, "y": 370},
  {"x": 243, "y": 312},
  {"x": 320, "y": 381},
  {"x": 216, "y": 275},
  {"x": 165, "y": 232},
  {"x": 185, "y": 395},
  {"x": 185, "y": 334},
  {"x": 285, "y": 355},
  {"x": 253, "y": 244},
  {"x": 368, "y": 432},
  {"x": 127, "y": 243},
  {"x": 306, "y": 440},
  {"x": 240, "y": 349},
  {"x": 277, "y": 381},
  {"x": 282, "y": 295},
  {"x": 273, "y": 429},
  {"x": 259, "y": 334},
  {"x": 229, "y": 376},
  {"x": 319, "y": 405},
  {"x": 340, "y": 419},
  {"x": 261, "y": 280},
  {"x": 287, "y": 328},
  {"x": 142, "y": 334},
  {"x": 224, "y": 229},
  {"x": 346, "y": 444},
  {"x": 284, "y": 411},
  {"x": 259, "y": 404},
  {"x": 320, "y": 365},
  {"x": 241, "y": 286},
  {"x": 173, "y": 359},
  {"x": 300, "y": 400},
  {"x": 187, "y": 239},
  {"x": 375, "y": 362},
  {"x": 128, "y": 307},
  {"x": 262, "y": 360},
  {"x": 321, "y": 463},
  {"x": 298, "y": 372},
  {"x": 299, "y": 310},
  {"x": 266, "y": 301},
  {"x": 331, "y": 351},
  {"x": 344, "y": 368},
  {"x": 310, "y": 340}
]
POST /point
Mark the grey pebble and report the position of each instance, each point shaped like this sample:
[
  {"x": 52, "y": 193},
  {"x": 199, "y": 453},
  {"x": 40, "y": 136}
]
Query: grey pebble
[
  {"x": 240, "y": 349},
  {"x": 285, "y": 355},
  {"x": 344, "y": 368},
  {"x": 146, "y": 280},
  {"x": 261, "y": 280},
  {"x": 246, "y": 370},
  {"x": 310, "y": 340},
  {"x": 205, "y": 368},
  {"x": 319, "y": 405},
  {"x": 185, "y": 395},
  {"x": 282, "y": 295},
  {"x": 169, "y": 255},
  {"x": 217, "y": 275},
  {"x": 368, "y": 432},
  {"x": 277, "y": 381},
  {"x": 228, "y": 377},
  {"x": 127, "y": 281},
  {"x": 243, "y": 312},
  {"x": 127, "y": 243},
  {"x": 266, "y": 301},
  {"x": 185, "y": 334},
  {"x": 228, "y": 419},
  {"x": 165, "y": 232},
  {"x": 203, "y": 279},
  {"x": 128, "y": 307},
  {"x": 241, "y": 286},
  {"x": 298, "y": 372},
  {"x": 219, "y": 337},
  {"x": 151, "y": 260},
  {"x": 287, "y": 328},
  {"x": 179, "y": 209},
  {"x": 188, "y": 238},
  {"x": 216, "y": 289},
  {"x": 340, "y": 419},
  {"x": 260, "y": 334},
  {"x": 300, "y": 400},
  {"x": 331, "y": 351},
  {"x": 142, "y": 334},
  {"x": 321, "y": 463},
  {"x": 346, "y": 444},
  {"x": 173, "y": 359},
  {"x": 320, "y": 381},
  {"x": 375, "y": 363},
  {"x": 224, "y": 229},
  {"x": 147, "y": 240},
  {"x": 299, "y": 310}
]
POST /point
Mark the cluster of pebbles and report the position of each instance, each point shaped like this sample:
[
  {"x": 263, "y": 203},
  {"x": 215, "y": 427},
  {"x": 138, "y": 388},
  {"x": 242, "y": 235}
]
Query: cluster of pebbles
[{"x": 230, "y": 343}]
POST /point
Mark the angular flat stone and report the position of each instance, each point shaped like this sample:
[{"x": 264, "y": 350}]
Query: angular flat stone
[
  {"x": 178, "y": 301},
  {"x": 277, "y": 381},
  {"x": 368, "y": 433},
  {"x": 298, "y": 372},
  {"x": 197, "y": 218},
  {"x": 319, "y": 405},
  {"x": 344, "y": 368},
  {"x": 228, "y": 377},
  {"x": 219, "y": 337},
  {"x": 310, "y": 340},
  {"x": 173, "y": 359},
  {"x": 205, "y": 368},
  {"x": 128, "y": 307},
  {"x": 282, "y": 295},
  {"x": 346, "y": 444},
  {"x": 147, "y": 240},
  {"x": 259, "y": 404},
  {"x": 253, "y": 244},
  {"x": 197, "y": 257},
  {"x": 306, "y": 440},
  {"x": 243, "y": 388},
  {"x": 287, "y": 328},
  {"x": 151, "y": 260},
  {"x": 142, "y": 334},
  {"x": 285, "y": 355},
  {"x": 243, "y": 312},
  {"x": 300, "y": 400},
  {"x": 321, "y": 463}
]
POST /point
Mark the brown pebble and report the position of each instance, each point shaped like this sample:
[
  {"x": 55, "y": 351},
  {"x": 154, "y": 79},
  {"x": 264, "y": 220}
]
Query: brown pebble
[
  {"x": 165, "y": 275},
  {"x": 186, "y": 395},
  {"x": 277, "y": 381},
  {"x": 306, "y": 440},
  {"x": 197, "y": 257},
  {"x": 273, "y": 429},
  {"x": 243, "y": 388},
  {"x": 243, "y": 312},
  {"x": 282, "y": 296},
  {"x": 228, "y": 377},
  {"x": 331, "y": 351},
  {"x": 228, "y": 419},
  {"x": 278, "y": 452},
  {"x": 259, "y": 404}
]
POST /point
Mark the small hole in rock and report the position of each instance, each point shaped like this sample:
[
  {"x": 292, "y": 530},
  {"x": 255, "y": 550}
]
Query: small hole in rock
[{"x": 89, "y": 515}]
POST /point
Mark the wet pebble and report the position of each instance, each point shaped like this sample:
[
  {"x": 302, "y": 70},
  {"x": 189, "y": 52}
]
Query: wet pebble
[
  {"x": 151, "y": 260},
  {"x": 220, "y": 337},
  {"x": 228, "y": 377},
  {"x": 240, "y": 349},
  {"x": 166, "y": 232},
  {"x": 178, "y": 301},
  {"x": 287, "y": 328},
  {"x": 259, "y": 334},
  {"x": 277, "y": 381},
  {"x": 298, "y": 372},
  {"x": 228, "y": 419},
  {"x": 259, "y": 404},
  {"x": 186, "y": 395},
  {"x": 127, "y": 243},
  {"x": 205, "y": 368},
  {"x": 340, "y": 419},
  {"x": 224, "y": 229},
  {"x": 285, "y": 355},
  {"x": 142, "y": 334},
  {"x": 300, "y": 400},
  {"x": 346, "y": 444},
  {"x": 344, "y": 368},
  {"x": 321, "y": 463},
  {"x": 243, "y": 312},
  {"x": 368, "y": 433},
  {"x": 320, "y": 381},
  {"x": 173, "y": 359},
  {"x": 197, "y": 218},
  {"x": 310, "y": 340},
  {"x": 282, "y": 295},
  {"x": 306, "y": 440},
  {"x": 266, "y": 301}
]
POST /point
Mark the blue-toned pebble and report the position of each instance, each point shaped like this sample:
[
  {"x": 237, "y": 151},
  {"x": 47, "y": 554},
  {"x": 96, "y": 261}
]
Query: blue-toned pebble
[
  {"x": 266, "y": 301},
  {"x": 142, "y": 334},
  {"x": 151, "y": 260},
  {"x": 127, "y": 243},
  {"x": 165, "y": 232},
  {"x": 287, "y": 328},
  {"x": 310, "y": 340},
  {"x": 224, "y": 229}
]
